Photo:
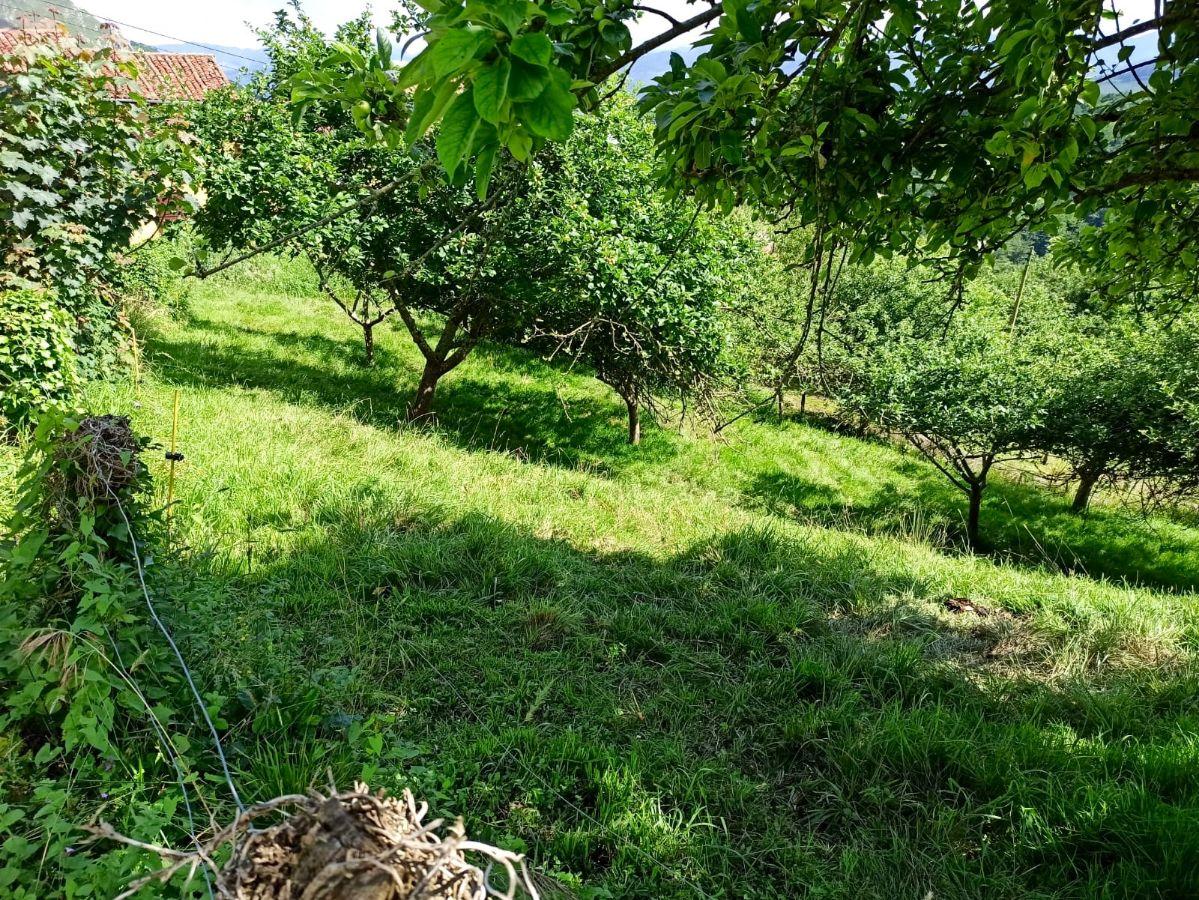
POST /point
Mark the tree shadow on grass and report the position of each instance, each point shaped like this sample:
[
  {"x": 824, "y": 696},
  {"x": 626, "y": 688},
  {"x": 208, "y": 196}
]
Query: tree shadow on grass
[
  {"x": 1021, "y": 523},
  {"x": 750, "y": 712},
  {"x": 511, "y": 411}
]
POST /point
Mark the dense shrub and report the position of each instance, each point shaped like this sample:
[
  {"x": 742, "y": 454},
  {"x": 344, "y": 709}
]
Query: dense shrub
[
  {"x": 147, "y": 276},
  {"x": 88, "y": 694},
  {"x": 84, "y": 163},
  {"x": 37, "y": 356}
]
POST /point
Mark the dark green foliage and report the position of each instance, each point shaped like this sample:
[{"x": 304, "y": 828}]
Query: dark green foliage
[
  {"x": 901, "y": 125},
  {"x": 84, "y": 162},
  {"x": 1125, "y": 410},
  {"x": 37, "y": 356},
  {"x": 572, "y": 244},
  {"x": 635, "y": 280},
  {"x": 89, "y": 695}
]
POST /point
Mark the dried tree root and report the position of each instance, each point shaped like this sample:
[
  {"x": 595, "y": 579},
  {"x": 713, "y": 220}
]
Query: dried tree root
[{"x": 353, "y": 844}]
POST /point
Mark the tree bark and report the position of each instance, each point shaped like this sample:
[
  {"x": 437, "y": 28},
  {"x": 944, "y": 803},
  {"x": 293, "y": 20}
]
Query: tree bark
[
  {"x": 421, "y": 406},
  {"x": 368, "y": 343},
  {"x": 972, "y": 517},
  {"x": 634, "y": 420},
  {"x": 1087, "y": 479}
]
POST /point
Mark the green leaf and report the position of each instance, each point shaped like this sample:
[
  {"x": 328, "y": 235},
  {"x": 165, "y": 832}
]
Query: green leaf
[
  {"x": 456, "y": 48},
  {"x": 552, "y": 114},
  {"x": 491, "y": 90},
  {"x": 1025, "y": 109},
  {"x": 483, "y": 167},
  {"x": 549, "y": 120},
  {"x": 383, "y": 46},
  {"x": 458, "y": 130},
  {"x": 526, "y": 82},
  {"x": 533, "y": 47},
  {"x": 747, "y": 22},
  {"x": 426, "y": 109},
  {"x": 520, "y": 145}
]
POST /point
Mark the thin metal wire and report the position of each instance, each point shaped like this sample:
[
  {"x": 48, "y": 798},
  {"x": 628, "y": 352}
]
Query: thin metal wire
[
  {"x": 166, "y": 633},
  {"x": 169, "y": 748}
]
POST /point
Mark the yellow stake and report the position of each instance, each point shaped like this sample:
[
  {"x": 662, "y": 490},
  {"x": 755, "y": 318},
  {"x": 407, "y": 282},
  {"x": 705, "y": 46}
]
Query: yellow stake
[
  {"x": 137, "y": 363},
  {"x": 172, "y": 457}
]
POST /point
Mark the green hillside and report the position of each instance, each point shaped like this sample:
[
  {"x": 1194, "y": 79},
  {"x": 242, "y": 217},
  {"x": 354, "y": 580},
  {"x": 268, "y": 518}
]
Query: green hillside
[{"x": 736, "y": 667}]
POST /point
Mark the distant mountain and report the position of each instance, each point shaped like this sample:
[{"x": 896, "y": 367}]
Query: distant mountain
[
  {"x": 237, "y": 62},
  {"x": 88, "y": 28},
  {"x": 654, "y": 64},
  {"x": 79, "y": 22}
]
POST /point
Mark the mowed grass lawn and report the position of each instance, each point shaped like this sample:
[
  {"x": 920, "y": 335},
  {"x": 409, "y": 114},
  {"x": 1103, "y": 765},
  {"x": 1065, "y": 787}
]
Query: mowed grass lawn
[{"x": 696, "y": 668}]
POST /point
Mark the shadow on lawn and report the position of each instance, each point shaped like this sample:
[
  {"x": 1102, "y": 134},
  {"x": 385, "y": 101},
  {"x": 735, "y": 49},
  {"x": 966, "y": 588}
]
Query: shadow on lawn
[
  {"x": 1021, "y": 523},
  {"x": 751, "y": 711},
  {"x": 513, "y": 411}
]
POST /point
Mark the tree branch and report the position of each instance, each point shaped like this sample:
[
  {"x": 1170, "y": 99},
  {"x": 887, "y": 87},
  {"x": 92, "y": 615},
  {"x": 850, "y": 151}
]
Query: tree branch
[
  {"x": 696, "y": 21},
  {"x": 418, "y": 336},
  {"x": 1110, "y": 40}
]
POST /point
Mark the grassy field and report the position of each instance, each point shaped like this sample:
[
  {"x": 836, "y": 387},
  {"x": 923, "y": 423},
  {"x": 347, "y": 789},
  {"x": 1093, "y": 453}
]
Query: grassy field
[{"x": 695, "y": 668}]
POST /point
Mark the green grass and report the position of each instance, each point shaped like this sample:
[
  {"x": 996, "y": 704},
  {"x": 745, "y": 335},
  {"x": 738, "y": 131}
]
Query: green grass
[{"x": 698, "y": 667}]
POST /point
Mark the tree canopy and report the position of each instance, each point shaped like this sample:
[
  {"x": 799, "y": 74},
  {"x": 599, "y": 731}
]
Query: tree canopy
[
  {"x": 576, "y": 251},
  {"x": 890, "y": 125}
]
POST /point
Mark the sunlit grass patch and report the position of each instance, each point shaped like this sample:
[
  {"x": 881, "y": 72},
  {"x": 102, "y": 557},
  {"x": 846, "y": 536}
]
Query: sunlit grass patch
[{"x": 752, "y": 666}]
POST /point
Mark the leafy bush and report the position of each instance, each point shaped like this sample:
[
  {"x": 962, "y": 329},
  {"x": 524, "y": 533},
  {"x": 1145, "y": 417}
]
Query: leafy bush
[
  {"x": 147, "y": 276},
  {"x": 88, "y": 692},
  {"x": 85, "y": 163},
  {"x": 37, "y": 356}
]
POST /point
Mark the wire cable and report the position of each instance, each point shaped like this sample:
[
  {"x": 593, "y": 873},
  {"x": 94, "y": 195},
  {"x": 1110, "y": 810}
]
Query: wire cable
[
  {"x": 141, "y": 577},
  {"x": 170, "y": 37}
]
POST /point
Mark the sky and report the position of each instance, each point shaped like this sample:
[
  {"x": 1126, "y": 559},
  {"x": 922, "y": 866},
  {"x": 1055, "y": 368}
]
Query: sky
[
  {"x": 225, "y": 21},
  {"x": 232, "y": 22}
]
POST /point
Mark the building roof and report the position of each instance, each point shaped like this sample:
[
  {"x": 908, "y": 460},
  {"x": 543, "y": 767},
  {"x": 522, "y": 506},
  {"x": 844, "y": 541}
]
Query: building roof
[
  {"x": 177, "y": 76},
  {"x": 161, "y": 77}
]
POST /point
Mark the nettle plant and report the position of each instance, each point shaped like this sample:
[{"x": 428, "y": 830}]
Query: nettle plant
[{"x": 87, "y": 684}]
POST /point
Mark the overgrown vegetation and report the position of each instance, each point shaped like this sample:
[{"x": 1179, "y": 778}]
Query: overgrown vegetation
[
  {"x": 752, "y": 644},
  {"x": 736, "y": 657}
]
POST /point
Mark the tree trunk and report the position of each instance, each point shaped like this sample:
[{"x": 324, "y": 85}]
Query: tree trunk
[
  {"x": 803, "y": 403},
  {"x": 1087, "y": 479},
  {"x": 368, "y": 343},
  {"x": 421, "y": 406},
  {"x": 976, "y": 501},
  {"x": 634, "y": 421}
]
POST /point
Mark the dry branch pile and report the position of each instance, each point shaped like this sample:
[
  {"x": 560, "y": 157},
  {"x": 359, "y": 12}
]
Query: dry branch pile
[{"x": 353, "y": 844}]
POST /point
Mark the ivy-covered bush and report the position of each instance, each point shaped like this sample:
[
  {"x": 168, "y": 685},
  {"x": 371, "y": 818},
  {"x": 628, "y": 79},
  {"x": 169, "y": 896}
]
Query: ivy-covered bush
[
  {"x": 84, "y": 163},
  {"x": 37, "y": 356}
]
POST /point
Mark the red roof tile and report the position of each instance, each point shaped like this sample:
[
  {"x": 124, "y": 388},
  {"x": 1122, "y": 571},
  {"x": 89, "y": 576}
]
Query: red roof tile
[
  {"x": 160, "y": 76},
  {"x": 177, "y": 76}
]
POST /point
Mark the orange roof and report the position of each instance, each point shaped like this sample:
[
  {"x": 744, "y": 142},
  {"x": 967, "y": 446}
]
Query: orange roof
[
  {"x": 160, "y": 76},
  {"x": 177, "y": 76}
]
